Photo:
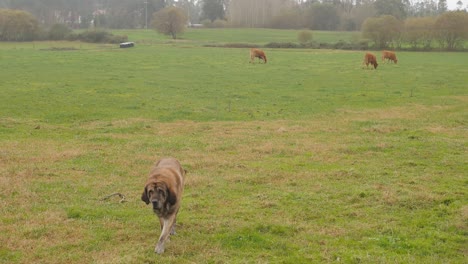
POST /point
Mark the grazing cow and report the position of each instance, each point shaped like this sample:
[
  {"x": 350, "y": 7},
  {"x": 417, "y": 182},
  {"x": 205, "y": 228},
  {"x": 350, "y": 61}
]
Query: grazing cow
[
  {"x": 389, "y": 55},
  {"x": 370, "y": 58},
  {"x": 257, "y": 53}
]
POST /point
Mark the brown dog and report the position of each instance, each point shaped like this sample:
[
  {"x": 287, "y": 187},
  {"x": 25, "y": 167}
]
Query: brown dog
[
  {"x": 163, "y": 190},
  {"x": 257, "y": 53}
]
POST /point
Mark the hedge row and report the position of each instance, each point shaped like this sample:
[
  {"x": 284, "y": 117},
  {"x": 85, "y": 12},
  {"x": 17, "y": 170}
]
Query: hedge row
[
  {"x": 291, "y": 45},
  {"x": 97, "y": 36}
]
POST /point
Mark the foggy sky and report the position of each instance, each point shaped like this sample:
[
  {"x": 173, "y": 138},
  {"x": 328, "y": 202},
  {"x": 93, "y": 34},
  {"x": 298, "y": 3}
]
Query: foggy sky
[{"x": 452, "y": 4}]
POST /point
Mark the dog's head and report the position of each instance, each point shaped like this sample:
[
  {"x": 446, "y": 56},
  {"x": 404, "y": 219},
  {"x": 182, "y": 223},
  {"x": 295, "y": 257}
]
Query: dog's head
[{"x": 159, "y": 195}]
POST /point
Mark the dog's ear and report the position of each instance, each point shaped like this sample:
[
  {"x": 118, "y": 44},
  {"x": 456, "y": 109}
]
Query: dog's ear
[
  {"x": 171, "y": 196},
  {"x": 144, "y": 195}
]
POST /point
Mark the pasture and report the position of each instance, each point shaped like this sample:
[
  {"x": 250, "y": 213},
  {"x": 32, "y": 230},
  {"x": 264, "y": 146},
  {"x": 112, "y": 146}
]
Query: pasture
[
  {"x": 307, "y": 159},
  {"x": 256, "y": 36}
]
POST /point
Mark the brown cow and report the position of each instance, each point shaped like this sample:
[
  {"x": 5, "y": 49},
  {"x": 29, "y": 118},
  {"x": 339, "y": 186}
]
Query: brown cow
[
  {"x": 389, "y": 55},
  {"x": 257, "y": 53},
  {"x": 370, "y": 58}
]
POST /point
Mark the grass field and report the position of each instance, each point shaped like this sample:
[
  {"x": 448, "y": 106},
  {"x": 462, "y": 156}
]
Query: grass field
[
  {"x": 203, "y": 36},
  {"x": 307, "y": 159}
]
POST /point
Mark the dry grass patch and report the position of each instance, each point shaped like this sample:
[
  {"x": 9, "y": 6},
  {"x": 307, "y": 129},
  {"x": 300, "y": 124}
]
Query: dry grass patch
[{"x": 410, "y": 112}]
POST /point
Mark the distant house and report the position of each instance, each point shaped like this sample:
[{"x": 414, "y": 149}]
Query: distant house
[{"x": 97, "y": 17}]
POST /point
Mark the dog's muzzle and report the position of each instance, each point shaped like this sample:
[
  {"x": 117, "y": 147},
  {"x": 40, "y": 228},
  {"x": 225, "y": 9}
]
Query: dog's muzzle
[{"x": 157, "y": 205}]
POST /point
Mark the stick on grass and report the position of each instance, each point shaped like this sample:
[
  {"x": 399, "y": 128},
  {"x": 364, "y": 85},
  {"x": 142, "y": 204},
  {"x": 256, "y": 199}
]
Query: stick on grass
[{"x": 122, "y": 197}]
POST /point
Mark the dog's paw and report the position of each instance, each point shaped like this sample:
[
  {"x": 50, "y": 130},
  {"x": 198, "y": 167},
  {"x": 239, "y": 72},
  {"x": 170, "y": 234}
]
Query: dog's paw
[{"x": 159, "y": 249}]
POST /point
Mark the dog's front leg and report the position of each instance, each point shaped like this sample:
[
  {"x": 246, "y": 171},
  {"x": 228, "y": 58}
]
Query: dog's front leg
[
  {"x": 173, "y": 231},
  {"x": 167, "y": 227}
]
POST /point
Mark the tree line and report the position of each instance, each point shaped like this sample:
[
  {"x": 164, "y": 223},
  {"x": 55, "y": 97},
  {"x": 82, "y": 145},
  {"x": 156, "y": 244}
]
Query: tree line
[
  {"x": 387, "y": 23},
  {"x": 288, "y": 14},
  {"x": 449, "y": 30}
]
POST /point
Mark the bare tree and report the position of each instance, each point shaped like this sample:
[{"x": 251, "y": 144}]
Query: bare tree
[
  {"x": 17, "y": 25},
  {"x": 382, "y": 30},
  {"x": 451, "y": 29},
  {"x": 418, "y": 31},
  {"x": 170, "y": 21}
]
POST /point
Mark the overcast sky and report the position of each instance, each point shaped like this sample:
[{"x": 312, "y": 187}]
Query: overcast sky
[{"x": 452, "y": 4}]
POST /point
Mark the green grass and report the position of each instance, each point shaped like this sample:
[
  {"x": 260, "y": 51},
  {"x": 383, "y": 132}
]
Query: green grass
[
  {"x": 257, "y": 36},
  {"x": 309, "y": 158}
]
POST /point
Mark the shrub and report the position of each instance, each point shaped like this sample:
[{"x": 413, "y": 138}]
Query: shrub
[
  {"x": 207, "y": 23},
  {"x": 73, "y": 37},
  {"x": 382, "y": 30},
  {"x": 94, "y": 36},
  {"x": 451, "y": 29},
  {"x": 418, "y": 31},
  {"x": 240, "y": 45},
  {"x": 284, "y": 45},
  {"x": 97, "y": 36},
  {"x": 362, "y": 45},
  {"x": 59, "y": 32},
  {"x": 117, "y": 39},
  {"x": 310, "y": 45},
  {"x": 219, "y": 23},
  {"x": 341, "y": 44},
  {"x": 17, "y": 25},
  {"x": 170, "y": 21},
  {"x": 304, "y": 36}
]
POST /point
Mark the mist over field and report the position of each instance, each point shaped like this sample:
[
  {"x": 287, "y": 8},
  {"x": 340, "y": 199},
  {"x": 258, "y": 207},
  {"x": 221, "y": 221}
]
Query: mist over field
[
  {"x": 309, "y": 158},
  {"x": 306, "y": 156}
]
